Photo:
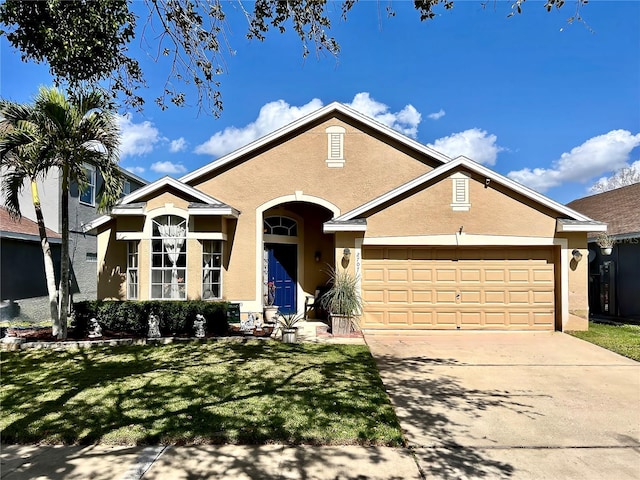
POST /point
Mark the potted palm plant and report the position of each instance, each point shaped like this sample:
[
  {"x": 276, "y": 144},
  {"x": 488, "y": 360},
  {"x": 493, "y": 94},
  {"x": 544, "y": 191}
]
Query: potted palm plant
[
  {"x": 288, "y": 322},
  {"x": 605, "y": 242},
  {"x": 343, "y": 302}
]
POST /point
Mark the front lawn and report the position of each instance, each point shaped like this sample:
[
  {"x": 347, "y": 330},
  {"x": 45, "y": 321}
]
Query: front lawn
[
  {"x": 623, "y": 339},
  {"x": 227, "y": 391}
]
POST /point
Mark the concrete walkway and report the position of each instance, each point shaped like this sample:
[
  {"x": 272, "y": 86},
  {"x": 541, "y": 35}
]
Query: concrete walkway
[
  {"x": 513, "y": 405},
  {"x": 206, "y": 462}
]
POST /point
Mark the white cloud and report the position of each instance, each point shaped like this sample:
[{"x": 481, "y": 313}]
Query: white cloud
[
  {"x": 474, "y": 143},
  {"x": 136, "y": 138},
  {"x": 178, "y": 145},
  {"x": 437, "y": 115},
  {"x": 168, "y": 168},
  {"x": 277, "y": 114},
  {"x": 598, "y": 155},
  {"x": 405, "y": 121},
  {"x": 272, "y": 116},
  {"x": 135, "y": 170}
]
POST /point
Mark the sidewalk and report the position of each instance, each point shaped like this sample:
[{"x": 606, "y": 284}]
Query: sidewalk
[{"x": 239, "y": 462}]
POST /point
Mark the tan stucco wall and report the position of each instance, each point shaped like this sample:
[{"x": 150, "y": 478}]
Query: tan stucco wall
[
  {"x": 578, "y": 282},
  {"x": 164, "y": 198},
  {"x": 112, "y": 265},
  {"x": 299, "y": 165},
  {"x": 429, "y": 212}
]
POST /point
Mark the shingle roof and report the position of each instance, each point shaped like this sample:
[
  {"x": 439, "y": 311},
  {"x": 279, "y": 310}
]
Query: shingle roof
[
  {"x": 21, "y": 227},
  {"x": 620, "y": 208}
]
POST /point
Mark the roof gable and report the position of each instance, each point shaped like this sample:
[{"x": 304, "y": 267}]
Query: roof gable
[
  {"x": 423, "y": 180},
  {"x": 165, "y": 182},
  {"x": 282, "y": 132},
  {"x": 133, "y": 204}
]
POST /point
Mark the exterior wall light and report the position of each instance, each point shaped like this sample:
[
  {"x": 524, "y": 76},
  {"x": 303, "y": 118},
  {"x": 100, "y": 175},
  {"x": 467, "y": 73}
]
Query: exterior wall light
[
  {"x": 577, "y": 256},
  {"x": 317, "y": 256}
]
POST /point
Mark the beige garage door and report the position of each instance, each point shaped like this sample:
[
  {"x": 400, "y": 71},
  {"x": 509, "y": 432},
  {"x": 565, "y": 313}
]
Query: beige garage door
[{"x": 451, "y": 288}]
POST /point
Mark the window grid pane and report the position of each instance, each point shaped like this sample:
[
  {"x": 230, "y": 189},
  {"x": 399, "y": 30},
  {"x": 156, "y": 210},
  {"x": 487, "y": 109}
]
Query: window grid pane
[
  {"x": 169, "y": 258},
  {"x": 211, "y": 269},
  {"x": 88, "y": 196},
  {"x": 132, "y": 270}
]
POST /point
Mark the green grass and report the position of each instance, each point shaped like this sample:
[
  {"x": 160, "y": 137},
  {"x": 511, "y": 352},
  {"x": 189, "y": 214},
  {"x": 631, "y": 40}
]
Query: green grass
[
  {"x": 623, "y": 339},
  {"x": 222, "y": 392}
]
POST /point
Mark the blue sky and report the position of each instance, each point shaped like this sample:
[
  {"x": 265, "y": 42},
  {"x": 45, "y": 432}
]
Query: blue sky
[{"x": 553, "y": 105}]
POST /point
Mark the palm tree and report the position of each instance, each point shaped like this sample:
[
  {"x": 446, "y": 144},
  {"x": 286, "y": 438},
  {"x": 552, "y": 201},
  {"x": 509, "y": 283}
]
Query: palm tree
[
  {"x": 21, "y": 163},
  {"x": 68, "y": 133}
]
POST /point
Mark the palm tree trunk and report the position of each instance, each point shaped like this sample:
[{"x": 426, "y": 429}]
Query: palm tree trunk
[
  {"x": 64, "y": 257},
  {"x": 46, "y": 255}
]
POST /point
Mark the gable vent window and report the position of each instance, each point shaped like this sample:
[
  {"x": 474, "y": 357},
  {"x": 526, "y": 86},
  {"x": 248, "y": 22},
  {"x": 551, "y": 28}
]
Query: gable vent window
[
  {"x": 460, "y": 192},
  {"x": 335, "y": 147}
]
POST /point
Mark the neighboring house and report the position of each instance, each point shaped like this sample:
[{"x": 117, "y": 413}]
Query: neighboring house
[
  {"x": 436, "y": 243},
  {"x": 82, "y": 245},
  {"x": 614, "y": 280},
  {"x": 21, "y": 258}
]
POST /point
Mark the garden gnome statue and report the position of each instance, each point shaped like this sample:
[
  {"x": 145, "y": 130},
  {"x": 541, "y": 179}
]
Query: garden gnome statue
[
  {"x": 198, "y": 325},
  {"x": 154, "y": 326},
  {"x": 95, "y": 330}
]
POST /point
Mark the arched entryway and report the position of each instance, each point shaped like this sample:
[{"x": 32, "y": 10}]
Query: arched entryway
[{"x": 295, "y": 252}]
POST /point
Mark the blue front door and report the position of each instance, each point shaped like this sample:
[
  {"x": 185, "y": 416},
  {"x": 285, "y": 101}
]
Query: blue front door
[{"x": 282, "y": 268}]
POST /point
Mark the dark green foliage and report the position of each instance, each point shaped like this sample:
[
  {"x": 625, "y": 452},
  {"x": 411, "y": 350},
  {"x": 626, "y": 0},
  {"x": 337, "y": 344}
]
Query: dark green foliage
[
  {"x": 82, "y": 40},
  {"x": 131, "y": 317}
]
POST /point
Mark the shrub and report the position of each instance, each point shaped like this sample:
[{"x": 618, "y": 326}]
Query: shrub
[{"x": 132, "y": 317}]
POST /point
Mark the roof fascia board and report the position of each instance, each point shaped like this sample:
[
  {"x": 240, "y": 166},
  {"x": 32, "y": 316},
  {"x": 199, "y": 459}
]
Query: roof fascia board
[
  {"x": 95, "y": 223},
  {"x": 27, "y": 237},
  {"x": 334, "y": 106},
  {"x": 221, "y": 211},
  {"x": 127, "y": 211},
  {"x": 333, "y": 227},
  {"x": 477, "y": 168},
  {"x": 583, "y": 227},
  {"x": 168, "y": 181}
]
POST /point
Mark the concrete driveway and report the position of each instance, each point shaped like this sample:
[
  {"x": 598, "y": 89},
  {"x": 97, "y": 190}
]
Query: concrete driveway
[{"x": 513, "y": 405}]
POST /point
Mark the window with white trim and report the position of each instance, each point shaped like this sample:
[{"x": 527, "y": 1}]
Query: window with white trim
[
  {"x": 280, "y": 226},
  {"x": 88, "y": 196},
  {"x": 132, "y": 270},
  {"x": 335, "y": 146},
  {"x": 126, "y": 188},
  {"x": 460, "y": 192},
  {"x": 169, "y": 258},
  {"x": 211, "y": 269}
]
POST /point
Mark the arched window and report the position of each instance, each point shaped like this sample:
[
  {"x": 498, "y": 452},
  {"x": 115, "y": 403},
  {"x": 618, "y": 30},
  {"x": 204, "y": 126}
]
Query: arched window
[
  {"x": 169, "y": 258},
  {"x": 280, "y": 226}
]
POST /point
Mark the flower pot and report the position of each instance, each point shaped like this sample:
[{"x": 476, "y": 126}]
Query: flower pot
[
  {"x": 341, "y": 325},
  {"x": 271, "y": 314},
  {"x": 289, "y": 335},
  {"x": 606, "y": 250}
]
